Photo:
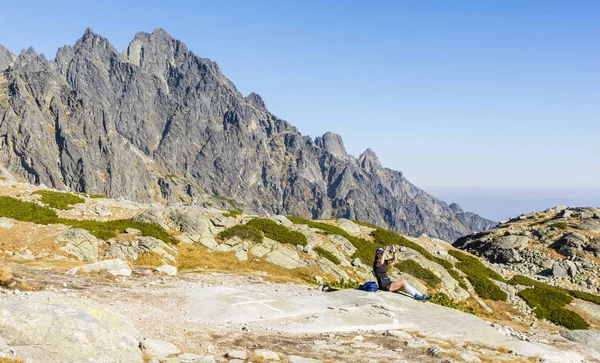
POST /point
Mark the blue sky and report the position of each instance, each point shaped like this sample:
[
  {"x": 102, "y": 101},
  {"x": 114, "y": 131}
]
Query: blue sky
[{"x": 461, "y": 96}]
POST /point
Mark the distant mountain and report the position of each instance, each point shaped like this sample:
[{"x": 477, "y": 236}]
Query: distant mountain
[{"x": 158, "y": 123}]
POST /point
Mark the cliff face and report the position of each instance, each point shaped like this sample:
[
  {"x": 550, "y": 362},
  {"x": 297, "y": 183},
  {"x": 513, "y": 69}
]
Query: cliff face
[{"x": 157, "y": 122}]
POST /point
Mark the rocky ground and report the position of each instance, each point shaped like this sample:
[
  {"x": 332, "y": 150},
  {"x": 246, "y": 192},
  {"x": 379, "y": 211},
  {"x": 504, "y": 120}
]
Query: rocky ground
[
  {"x": 73, "y": 292},
  {"x": 560, "y": 246}
]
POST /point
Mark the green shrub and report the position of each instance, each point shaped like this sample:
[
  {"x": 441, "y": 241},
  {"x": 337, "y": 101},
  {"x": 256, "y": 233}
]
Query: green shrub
[
  {"x": 523, "y": 280},
  {"x": 366, "y": 224},
  {"x": 109, "y": 229},
  {"x": 277, "y": 232},
  {"x": 343, "y": 284},
  {"x": 59, "y": 200},
  {"x": 233, "y": 213},
  {"x": 242, "y": 231},
  {"x": 559, "y": 225},
  {"x": 31, "y": 212},
  {"x": 585, "y": 296},
  {"x": 480, "y": 276},
  {"x": 548, "y": 303},
  {"x": 98, "y": 196},
  {"x": 328, "y": 255},
  {"x": 26, "y": 211},
  {"x": 475, "y": 266},
  {"x": 414, "y": 269},
  {"x": 365, "y": 250},
  {"x": 455, "y": 275},
  {"x": 442, "y": 299},
  {"x": 485, "y": 288},
  {"x": 386, "y": 238}
]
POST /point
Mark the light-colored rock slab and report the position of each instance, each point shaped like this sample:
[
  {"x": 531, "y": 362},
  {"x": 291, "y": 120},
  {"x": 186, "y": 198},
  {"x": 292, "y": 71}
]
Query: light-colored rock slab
[
  {"x": 167, "y": 270},
  {"x": 237, "y": 354},
  {"x": 80, "y": 243},
  {"x": 46, "y": 327},
  {"x": 6, "y": 223},
  {"x": 159, "y": 349},
  {"x": 348, "y": 226},
  {"x": 353, "y": 310},
  {"x": 285, "y": 257},
  {"x": 114, "y": 267},
  {"x": 266, "y": 354}
]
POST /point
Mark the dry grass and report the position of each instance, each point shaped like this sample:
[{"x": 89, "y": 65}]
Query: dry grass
[
  {"x": 149, "y": 259},
  {"x": 36, "y": 238},
  {"x": 197, "y": 257},
  {"x": 10, "y": 360},
  {"x": 5, "y": 274}
]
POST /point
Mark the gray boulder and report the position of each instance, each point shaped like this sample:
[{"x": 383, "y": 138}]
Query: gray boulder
[
  {"x": 590, "y": 225},
  {"x": 130, "y": 250},
  {"x": 115, "y": 267},
  {"x": 159, "y": 349},
  {"x": 564, "y": 269},
  {"x": 348, "y": 226},
  {"x": 80, "y": 243},
  {"x": 6, "y": 223},
  {"x": 585, "y": 338},
  {"x": 46, "y": 327},
  {"x": 285, "y": 257},
  {"x": 571, "y": 243}
]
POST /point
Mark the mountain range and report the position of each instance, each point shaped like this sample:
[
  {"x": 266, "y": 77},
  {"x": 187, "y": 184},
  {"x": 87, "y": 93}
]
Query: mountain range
[{"x": 157, "y": 123}]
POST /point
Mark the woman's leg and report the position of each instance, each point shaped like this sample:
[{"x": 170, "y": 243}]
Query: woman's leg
[{"x": 403, "y": 285}]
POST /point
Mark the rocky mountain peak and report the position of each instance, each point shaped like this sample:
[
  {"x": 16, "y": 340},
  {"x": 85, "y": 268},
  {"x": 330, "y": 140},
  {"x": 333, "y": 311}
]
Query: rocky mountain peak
[
  {"x": 256, "y": 101},
  {"x": 6, "y": 58},
  {"x": 156, "y": 51},
  {"x": 456, "y": 208},
  {"x": 369, "y": 160},
  {"x": 333, "y": 144}
]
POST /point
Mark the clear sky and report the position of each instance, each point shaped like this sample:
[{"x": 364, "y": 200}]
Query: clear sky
[{"x": 462, "y": 96}]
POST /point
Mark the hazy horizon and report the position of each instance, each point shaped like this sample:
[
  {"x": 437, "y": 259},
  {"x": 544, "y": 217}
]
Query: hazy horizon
[{"x": 500, "y": 204}]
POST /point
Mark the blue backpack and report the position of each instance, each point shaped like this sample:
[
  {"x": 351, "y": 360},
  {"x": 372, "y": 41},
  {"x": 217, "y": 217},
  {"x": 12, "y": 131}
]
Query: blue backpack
[{"x": 370, "y": 286}]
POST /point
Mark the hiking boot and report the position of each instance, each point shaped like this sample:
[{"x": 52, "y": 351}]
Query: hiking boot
[{"x": 422, "y": 297}]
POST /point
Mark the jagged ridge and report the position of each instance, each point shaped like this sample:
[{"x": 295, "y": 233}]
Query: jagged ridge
[{"x": 157, "y": 122}]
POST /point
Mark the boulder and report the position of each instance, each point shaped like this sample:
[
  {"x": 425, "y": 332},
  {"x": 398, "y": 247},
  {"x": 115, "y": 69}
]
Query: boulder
[
  {"x": 167, "y": 270},
  {"x": 152, "y": 215},
  {"x": 590, "y": 225},
  {"x": 285, "y": 257},
  {"x": 46, "y": 327},
  {"x": 6, "y": 223},
  {"x": 80, "y": 243},
  {"x": 585, "y": 338},
  {"x": 115, "y": 267},
  {"x": 265, "y": 354},
  {"x": 570, "y": 244},
  {"x": 564, "y": 269},
  {"x": 236, "y": 354},
  {"x": 332, "y": 269},
  {"x": 348, "y": 226},
  {"x": 345, "y": 245},
  {"x": 282, "y": 220},
  {"x": 502, "y": 255},
  {"x": 159, "y": 349},
  {"x": 142, "y": 244}
]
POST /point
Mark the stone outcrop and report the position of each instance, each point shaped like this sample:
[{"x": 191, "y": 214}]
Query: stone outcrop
[
  {"x": 559, "y": 244},
  {"x": 158, "y": 123},
  {"x": 51, "y": 328},
  {"x": 81, "y": 244}
]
